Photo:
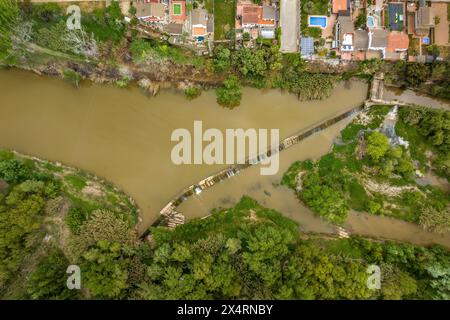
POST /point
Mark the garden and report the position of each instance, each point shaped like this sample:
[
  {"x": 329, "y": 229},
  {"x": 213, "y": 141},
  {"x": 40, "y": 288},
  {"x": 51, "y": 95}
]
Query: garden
[{"x": 313, "y": 7}]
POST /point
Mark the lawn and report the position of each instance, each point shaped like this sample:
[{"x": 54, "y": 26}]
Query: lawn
[{"x": 224, "y": 17}]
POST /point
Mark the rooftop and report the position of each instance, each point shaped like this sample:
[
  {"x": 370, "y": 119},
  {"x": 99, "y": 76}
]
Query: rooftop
[
  {"x": 269, "y": 13},
  {"x": 378, "y": 38},
  {"x": 144, "y": 10},
  {"x": 340, "y": 5},
  {"x": 251, "y": 14},
  {"x": 425, "y": 17},
  {"x": 346, "y": 24},
  {"x": 199, "y": 16},
  {"x": 361, "y": 40},
  {"x": 199, "y": 31},
  {"x": 397, "y": 41}
]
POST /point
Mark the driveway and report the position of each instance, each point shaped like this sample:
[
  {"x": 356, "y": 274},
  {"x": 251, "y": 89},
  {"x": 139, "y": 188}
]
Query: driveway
[{"x": 289, "y": 22}]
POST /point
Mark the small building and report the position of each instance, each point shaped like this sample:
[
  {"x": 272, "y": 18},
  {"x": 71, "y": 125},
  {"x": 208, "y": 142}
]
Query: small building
[{"x": 199, "y": 18}]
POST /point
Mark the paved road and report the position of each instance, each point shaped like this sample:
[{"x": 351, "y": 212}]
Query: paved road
[{"x": 289, "y": 21}]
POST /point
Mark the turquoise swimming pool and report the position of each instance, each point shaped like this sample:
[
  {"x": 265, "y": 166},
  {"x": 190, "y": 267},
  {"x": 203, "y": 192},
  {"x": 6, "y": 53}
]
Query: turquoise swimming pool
[
  {"x": 318, "y": 21},
  {"x": 370, "y": 22}
]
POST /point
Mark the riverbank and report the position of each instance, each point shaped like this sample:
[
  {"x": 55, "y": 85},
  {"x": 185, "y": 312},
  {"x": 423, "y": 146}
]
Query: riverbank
[{"x": 44, "y": 207}]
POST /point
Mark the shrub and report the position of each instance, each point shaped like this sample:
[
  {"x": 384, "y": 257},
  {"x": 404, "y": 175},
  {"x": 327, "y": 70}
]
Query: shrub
[
  {"x": 73, "y": 76},
  {"x": 48, "y": 281},
  {"x": 229, "y": 94},
  {"x": 192, "y": 92},
  {"x": 75, "y": 219}
]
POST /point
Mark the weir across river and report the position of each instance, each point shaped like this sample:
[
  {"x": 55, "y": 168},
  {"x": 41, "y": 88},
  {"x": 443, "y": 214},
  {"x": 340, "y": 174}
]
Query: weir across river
[{"x": 171, "y": 218}]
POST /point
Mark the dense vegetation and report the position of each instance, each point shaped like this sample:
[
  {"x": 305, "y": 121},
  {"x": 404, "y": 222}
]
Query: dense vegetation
[
  {"x": 432, "y": 78},
  {"x": 252, "y": 252},
  {"x": 229, "y": 94},
  {"x": 430, "y": 130},
  {"x": 266, "y": 67},
  {"x": 246, "y": 251},
  {"x": 143, "y": 50},
  {"x": 39, "y": 204},
  {"x": 367, "y": 173}
]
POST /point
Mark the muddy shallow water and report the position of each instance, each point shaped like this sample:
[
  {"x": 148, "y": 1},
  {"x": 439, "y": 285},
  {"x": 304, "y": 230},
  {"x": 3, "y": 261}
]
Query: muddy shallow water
[{"x": 124, "y": 136}]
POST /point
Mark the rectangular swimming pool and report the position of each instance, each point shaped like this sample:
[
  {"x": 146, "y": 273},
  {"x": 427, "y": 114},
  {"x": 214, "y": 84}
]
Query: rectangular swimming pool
[{"x": 318, "y": 21}]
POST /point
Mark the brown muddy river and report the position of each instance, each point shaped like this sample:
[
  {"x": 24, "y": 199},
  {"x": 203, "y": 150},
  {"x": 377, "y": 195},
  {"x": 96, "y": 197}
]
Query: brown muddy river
[
  {"x": 409, "y": 96},
  {"x": 124, "y": 136}
]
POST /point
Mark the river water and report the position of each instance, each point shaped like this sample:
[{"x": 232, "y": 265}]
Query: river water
[
  {"x": 409, "y": 96},
  {"x": 124, "y": 136}
]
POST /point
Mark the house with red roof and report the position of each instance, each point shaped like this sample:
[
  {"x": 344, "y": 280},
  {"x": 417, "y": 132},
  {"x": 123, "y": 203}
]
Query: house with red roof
[
  {"x": 258, "y": 20},
  {"x": 397, "y": 46},
  {"x": 340, "y": 5}
]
